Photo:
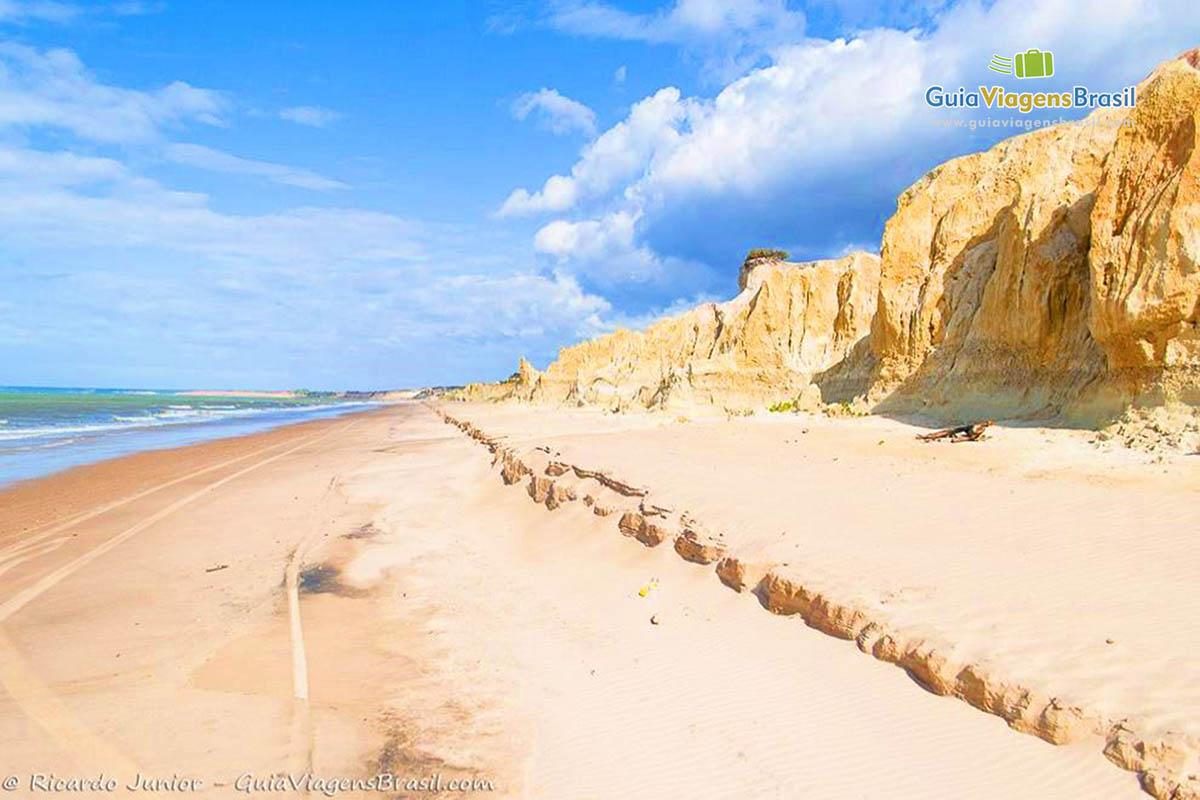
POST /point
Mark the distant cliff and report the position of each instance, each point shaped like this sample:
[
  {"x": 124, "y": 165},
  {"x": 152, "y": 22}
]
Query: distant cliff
[
  {"x": 790, "y": 322},
  {"x": 1056, "y": 275}
]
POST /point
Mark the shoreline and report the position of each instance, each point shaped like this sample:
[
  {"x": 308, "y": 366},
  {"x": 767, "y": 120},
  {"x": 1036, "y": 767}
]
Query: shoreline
[
  {"x": 107, "y": 442},
  {"x": 40, "y": 500}
]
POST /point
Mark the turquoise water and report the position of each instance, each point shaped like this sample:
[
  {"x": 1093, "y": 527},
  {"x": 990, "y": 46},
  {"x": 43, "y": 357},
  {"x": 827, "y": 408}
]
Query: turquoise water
[{"x": 46, "y": 430}]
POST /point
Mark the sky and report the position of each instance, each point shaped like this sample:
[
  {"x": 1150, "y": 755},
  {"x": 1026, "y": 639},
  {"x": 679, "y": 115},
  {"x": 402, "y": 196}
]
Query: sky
[{"x": 388, "y": 194}]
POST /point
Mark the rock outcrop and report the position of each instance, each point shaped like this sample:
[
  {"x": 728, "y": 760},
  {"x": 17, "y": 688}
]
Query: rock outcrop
[
  {"x": 789, "y": 322},
  {"x": 984, "y": 289},
  {"x": 1145, "y": 254},
  {"x": 1054, "y": 276}
]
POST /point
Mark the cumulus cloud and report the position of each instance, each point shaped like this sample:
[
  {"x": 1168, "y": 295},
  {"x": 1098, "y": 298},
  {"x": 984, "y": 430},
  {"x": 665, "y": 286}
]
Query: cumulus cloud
[
  {"x": 313, "y": 116},
  {"x": 556, "y": 112},
  {"x": 608, "y": 240},
  {"x": 810, "y": 150},
  {"x": 617, "y": 155},
  {"x": 201, "y": 157},
  {"x": 607, "y": 251}
]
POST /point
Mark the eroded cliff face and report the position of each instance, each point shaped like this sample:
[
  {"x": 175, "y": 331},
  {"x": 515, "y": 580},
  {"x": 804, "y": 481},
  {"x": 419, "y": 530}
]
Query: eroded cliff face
[
  {"x": 1145, "y": 255},
  {"x": 789, "y": 322},
  {"x": 984, "y": 289},
  {"x": 1054, "y": 276}
]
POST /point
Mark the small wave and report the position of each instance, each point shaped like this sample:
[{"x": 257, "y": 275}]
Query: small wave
[
  {"x": 43, "y": 446},
  {"x": 13, "y": 434},
  {"x": 173, "y": 415}
]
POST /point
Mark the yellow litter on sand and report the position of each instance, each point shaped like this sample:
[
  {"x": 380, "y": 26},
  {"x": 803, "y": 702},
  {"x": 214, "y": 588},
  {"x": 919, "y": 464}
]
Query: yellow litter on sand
[{"x": 645, "y": 590}]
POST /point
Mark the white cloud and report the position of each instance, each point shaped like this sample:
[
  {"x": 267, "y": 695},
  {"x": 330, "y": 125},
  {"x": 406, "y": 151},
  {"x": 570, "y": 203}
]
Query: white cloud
[
  {"x": 519, "y": 305},
  {"x": 621, "y": 73},
  {"x": 403, "y": 279},
  {"x": 137, "y": 8},
  {"x": 729, "y": 35},
  {"x": 618, "y": 154},
  {"x": 130, "y": 211},
  {"x": 57, "y": 169},
  {"x": 104, "y": 261},
  {"x": 830, "y": 131},
  {"x": 680, "y": 305},
  {"x": 556, "y": 112},
  {"x": 201, "y": 157},
  {"x": 51, "y": 88},
  {"x": 684, "y": 21},
  {"x": 24, "y": 11},
  {"x": 313, "y": 116},
  {"x": 43, "y": 10},
  {"x": 607, "y": 251}
]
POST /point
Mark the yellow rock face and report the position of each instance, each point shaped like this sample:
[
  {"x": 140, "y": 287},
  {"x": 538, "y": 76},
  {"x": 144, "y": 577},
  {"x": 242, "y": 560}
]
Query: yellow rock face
[
  {"x": 1053, "y": 275},
  {"x": 1145, "y": 255},
  {"x": 1056, "y": 275},
  {"x": 984, "y": 285},
  {"x": 790, "y": 322}
]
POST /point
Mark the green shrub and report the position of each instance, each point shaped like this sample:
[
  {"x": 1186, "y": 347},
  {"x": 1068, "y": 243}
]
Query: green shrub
[
  {"x": 766, "y": 253},
  {"x": 786, "y": 405}
]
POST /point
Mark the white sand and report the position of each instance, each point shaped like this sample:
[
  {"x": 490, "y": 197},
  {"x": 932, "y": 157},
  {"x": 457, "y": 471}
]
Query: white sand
[
  {"x": 1054, "y": 565},
  {"x": 473, "y": 634},
  {"x": 538, "y": 618}
]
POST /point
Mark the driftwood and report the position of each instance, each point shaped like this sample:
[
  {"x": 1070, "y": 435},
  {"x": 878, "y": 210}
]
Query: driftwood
[{"x": 962, "y": 433}]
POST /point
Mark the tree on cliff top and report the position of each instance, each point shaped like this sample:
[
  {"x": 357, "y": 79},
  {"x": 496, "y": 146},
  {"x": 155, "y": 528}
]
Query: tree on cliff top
[{"x": 765, "y": 254}]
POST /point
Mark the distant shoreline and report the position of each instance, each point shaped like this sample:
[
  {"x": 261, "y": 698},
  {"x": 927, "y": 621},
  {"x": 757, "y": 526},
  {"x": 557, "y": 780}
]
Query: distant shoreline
[
  {"x": 237, "y": 393},
  {"x": 41, "y": 436}
]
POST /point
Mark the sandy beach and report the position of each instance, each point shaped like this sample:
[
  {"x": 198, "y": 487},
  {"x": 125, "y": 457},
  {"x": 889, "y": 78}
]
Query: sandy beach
[
  {"x": 749, "y": 400},
  {"x": 365, "y": 595},
  {"x": 999, "y": 573}
]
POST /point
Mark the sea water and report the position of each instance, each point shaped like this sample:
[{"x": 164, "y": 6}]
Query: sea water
[{"x": 44, "y": 430}]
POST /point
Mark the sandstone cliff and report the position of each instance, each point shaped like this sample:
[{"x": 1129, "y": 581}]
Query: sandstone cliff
[
  {"x": 789, "y": 322},
  {"x": 1053, "y": 275},
  {"x": 1056, "y": 276},
  {"x": 984, "y": 287},
  {"x": 1145, "y": 255}
]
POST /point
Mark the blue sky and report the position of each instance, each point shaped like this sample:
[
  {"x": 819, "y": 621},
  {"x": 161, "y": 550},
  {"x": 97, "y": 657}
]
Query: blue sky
[{"x": 385, "y": 194}]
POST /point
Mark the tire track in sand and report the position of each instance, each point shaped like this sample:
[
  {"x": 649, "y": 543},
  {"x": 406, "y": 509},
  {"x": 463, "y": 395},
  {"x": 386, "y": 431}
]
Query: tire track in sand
[
  {"x": 35, "y": 699},
  {"x": 42, "y": 532}
]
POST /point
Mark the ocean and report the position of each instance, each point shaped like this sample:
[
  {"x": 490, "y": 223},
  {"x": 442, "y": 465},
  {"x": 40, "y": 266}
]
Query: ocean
[{"x": 44, "y": 430}]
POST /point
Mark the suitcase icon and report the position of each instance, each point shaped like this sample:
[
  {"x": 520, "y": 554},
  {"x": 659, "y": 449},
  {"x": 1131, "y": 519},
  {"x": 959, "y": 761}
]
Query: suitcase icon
[{"x": 1033, "y": 63}]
